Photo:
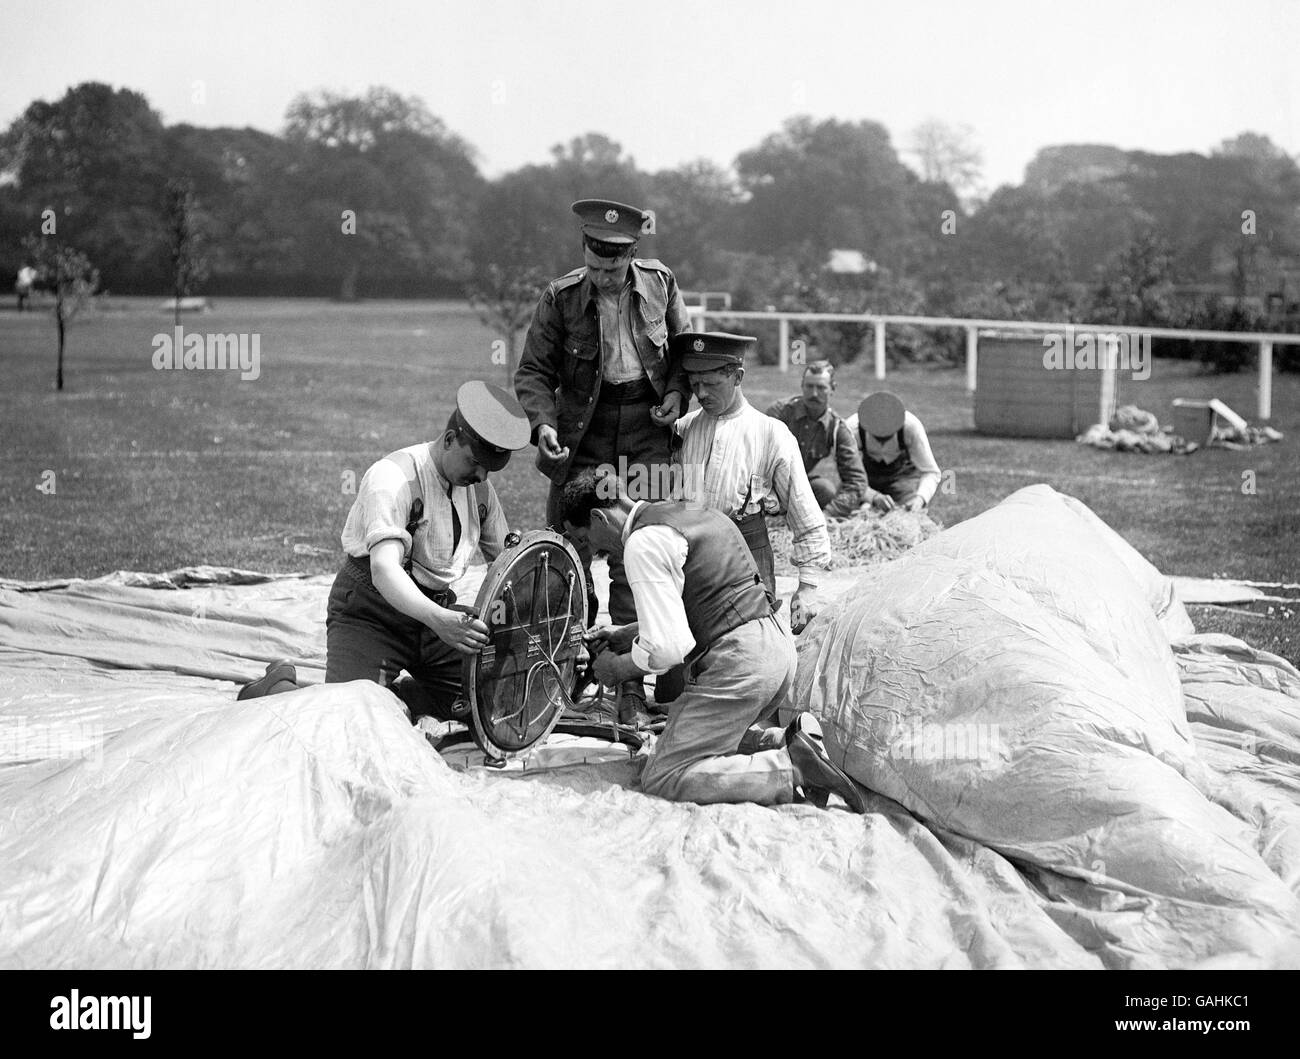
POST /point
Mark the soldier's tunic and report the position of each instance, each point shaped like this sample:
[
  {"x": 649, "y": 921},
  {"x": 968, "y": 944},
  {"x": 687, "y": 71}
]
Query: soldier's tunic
[
  {"x": 699, "y": 599},
  {"x": 818, "y": 438},
  {"x": 592, "y": 367}
]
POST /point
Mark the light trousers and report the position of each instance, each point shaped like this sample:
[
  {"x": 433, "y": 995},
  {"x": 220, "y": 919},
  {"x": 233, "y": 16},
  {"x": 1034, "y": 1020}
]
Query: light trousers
[{"x": 697, "y": 758}]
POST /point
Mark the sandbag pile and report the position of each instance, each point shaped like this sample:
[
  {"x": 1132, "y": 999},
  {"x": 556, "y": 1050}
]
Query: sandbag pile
[{"x": 1132, "y": 429}]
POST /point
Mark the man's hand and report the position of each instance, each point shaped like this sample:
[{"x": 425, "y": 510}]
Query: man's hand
[
  {"x": 611, "y": 669},
  {"x": 915, "y": 504},
  {"x": 804, "y": 606},
  {"x": 459, "y": 630},
  {"x": 617, "y": 638},
  {"x": 548, "y": 443},
  {"x": 882, "y": 502},
  {"x": 666, "y": 414}
]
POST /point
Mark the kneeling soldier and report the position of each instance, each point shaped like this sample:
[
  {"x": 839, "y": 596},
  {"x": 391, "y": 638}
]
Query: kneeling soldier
[
  {"x": 700, "y": 600},
  {"x": 421, "y": 515}
]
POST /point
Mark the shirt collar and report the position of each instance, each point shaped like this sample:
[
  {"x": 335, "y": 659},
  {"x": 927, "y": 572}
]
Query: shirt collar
[
  {"x": 629, "y": 525},
  {"x": 740, "y": 408},
  {"x": 801, "y": 412},
  {"x": 636, "y": 280},
  {"x": 442, "y": 482}
]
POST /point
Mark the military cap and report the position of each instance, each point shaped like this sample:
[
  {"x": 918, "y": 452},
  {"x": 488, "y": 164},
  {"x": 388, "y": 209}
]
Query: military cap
[
  {"x": 492, "y": 421},
  {"x": 710, "y": 350},
  {"x": 880, "y": 414},
  {"x": 610, "y": 222}
]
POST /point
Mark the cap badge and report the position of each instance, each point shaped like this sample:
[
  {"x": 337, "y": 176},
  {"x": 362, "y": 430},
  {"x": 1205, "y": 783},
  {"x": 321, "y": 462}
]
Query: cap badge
[
  {"x": 611, "y": 216},
  {"x": 698, "y": 345}
]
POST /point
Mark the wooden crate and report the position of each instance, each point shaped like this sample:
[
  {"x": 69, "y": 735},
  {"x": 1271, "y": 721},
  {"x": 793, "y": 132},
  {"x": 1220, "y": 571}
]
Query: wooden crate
[{"x": 1016, "y": 395}]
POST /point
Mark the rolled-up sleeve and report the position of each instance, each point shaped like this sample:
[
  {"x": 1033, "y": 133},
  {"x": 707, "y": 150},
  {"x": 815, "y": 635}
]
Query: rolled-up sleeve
[
  {"x": 810, "y": 548},
  {"x": 381, "y": 510},
  {"x": 918, "y": 448},
  {"x": 655, "y": 561}
]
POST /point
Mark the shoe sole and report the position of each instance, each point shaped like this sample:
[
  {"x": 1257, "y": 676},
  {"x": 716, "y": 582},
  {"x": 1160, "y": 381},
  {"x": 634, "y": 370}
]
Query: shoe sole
[{"x": 819, "y": 796}]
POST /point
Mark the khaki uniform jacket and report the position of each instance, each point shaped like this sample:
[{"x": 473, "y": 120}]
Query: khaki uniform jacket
[{"x": 560, "y": 371}]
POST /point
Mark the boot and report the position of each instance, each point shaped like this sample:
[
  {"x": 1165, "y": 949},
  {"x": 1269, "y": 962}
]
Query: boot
[
  {"x": 280, "y": 677},
  {"x": 631, "y": 701},
  {"x": 814, "y": 772}
]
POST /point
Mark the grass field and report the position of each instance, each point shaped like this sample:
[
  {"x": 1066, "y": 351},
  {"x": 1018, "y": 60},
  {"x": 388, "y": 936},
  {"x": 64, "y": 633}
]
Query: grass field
[{"x": 158, "y": 469}]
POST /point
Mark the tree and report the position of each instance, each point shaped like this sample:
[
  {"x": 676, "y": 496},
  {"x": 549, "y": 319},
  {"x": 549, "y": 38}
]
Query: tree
[
  {"x": 695, "y": 209},
  {"x": 97, "y": 158},
  {"x": 817, "y": 186},
  {"x": 524, "y": 217},
  {"x": 1136, "y": 285},
  {"x": 504, "y": 298},
  {"x": 383, "y": 186},
  {"x": 73, "y": 279},
  {"x": 185, "y": 238},
  {"x": 947, "y": 154}
]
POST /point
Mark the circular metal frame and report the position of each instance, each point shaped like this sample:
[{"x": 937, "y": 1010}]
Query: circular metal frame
[{"x": 534, "y": 602}]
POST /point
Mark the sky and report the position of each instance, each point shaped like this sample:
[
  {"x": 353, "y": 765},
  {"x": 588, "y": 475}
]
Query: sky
[{"x": 674, "y": 81}]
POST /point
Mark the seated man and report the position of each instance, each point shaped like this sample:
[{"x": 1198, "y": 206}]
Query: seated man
[
  {"x": 820, "y": 432},
  {"x": 421, "y": 515},
  {"x": 901, "y": 470},
  {"x": 700, "y": 600}
]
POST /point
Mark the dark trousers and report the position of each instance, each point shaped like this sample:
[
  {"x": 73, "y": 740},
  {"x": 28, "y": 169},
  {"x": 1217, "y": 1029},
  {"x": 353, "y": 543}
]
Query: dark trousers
[
  {"x": 618, "y": 432},
  {"x": 366, "y": 639}
]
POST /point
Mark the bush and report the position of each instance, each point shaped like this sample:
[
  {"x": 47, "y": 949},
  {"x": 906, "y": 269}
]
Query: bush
[{"x": 1210, "y": 313}]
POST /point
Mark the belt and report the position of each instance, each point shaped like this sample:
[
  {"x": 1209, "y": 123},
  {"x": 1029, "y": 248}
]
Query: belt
[
  {"x": 357, "y": 568},
  {"x": 627, "y": 392}
]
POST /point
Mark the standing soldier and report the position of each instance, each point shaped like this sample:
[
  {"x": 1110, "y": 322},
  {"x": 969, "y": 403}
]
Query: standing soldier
[
  {"x": 596, "y": 380},
  {"x": 750, "y": 464},
  {"x": 820, "y": 432}
]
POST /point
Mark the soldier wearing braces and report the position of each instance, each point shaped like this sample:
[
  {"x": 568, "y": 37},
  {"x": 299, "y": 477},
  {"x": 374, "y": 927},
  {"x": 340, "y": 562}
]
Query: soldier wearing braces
[{"x": 420, "y": 517}]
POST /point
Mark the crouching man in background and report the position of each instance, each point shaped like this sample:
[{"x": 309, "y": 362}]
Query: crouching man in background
[{"x": 700, "y": 601}]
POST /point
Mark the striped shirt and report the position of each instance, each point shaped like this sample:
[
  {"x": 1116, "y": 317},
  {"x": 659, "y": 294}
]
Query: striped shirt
[
  {"x": 750, "y": 462},
  {"x": 382, "y": 510}
]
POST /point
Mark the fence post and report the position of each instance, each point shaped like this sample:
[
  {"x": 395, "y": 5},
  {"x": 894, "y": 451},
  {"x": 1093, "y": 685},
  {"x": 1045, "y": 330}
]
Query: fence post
[
  {"x": 1265, "y": 379},
  {"x": 1109, "y": 376},
  {"x": 880, "y": 348},
  {"x": 972, "y": 357},
  {"x": 783, "y": 344}
]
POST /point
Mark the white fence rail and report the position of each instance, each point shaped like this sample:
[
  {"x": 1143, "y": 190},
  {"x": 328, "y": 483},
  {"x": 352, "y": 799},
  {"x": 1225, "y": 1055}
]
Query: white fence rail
[{"x": 879, "y": 323}]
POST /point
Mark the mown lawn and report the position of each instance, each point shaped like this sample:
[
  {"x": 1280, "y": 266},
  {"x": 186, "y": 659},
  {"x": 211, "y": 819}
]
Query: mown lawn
[{"x": 158, "y": 469}]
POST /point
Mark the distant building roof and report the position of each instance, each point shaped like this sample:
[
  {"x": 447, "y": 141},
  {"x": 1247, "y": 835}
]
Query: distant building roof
[{"x": 849, "y": 262}]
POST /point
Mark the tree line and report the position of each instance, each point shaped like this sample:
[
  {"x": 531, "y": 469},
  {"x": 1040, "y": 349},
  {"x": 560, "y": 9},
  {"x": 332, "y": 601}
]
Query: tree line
[{"x": 373, "y": 196}]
